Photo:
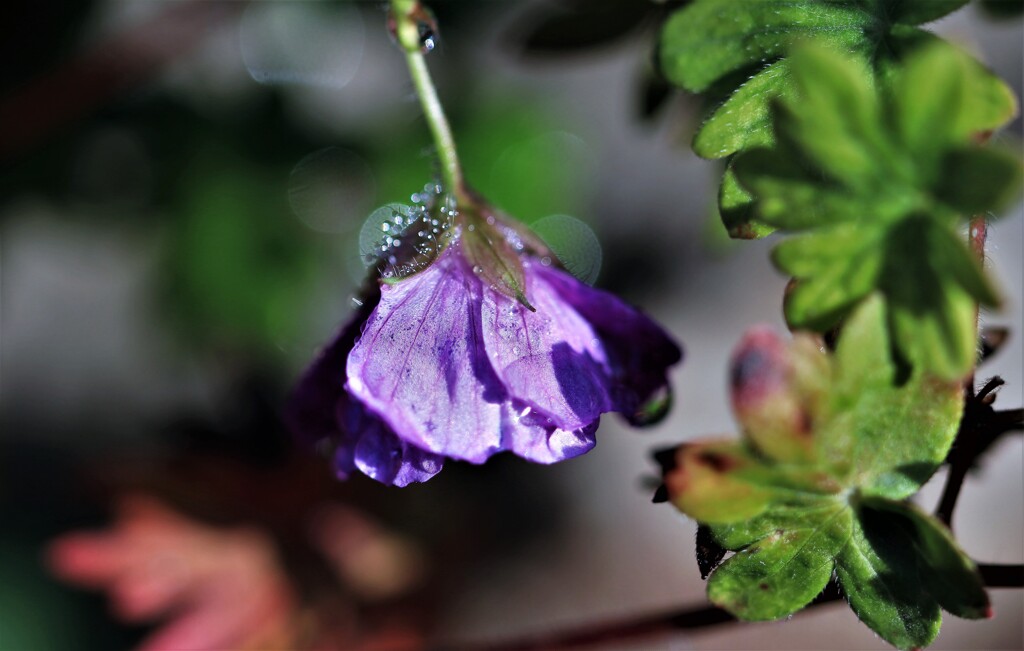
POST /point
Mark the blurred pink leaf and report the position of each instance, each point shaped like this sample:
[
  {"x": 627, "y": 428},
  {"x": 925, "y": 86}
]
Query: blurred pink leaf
[{"x": 216, "y": 587}]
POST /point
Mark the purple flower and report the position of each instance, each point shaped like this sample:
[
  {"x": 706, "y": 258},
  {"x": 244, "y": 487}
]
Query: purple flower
[{"x": 447, "y": 364}]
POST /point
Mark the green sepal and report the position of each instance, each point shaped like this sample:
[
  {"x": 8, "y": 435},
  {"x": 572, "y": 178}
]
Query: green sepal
[{"x": 494, "y": 260}]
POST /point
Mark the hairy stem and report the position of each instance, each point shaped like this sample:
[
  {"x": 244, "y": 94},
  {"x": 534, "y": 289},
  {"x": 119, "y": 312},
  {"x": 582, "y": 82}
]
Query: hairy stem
[{"x": 408, "y": 17}]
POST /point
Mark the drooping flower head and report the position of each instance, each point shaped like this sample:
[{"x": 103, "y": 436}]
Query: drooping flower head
[{"x": 473, "y": 342}]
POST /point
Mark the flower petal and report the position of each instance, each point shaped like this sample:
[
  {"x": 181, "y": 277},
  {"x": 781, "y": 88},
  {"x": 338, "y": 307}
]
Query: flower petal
[
  {"x": 318, "y": 406},
  {"x": 529, "y": 433},
  {"x": 637, "y": 350},
  {"x": 321, "y": 412},
  {"x": 421, "y": 366},
  {"x": 390, "y": 460},
  {"x": 549, "y": 358}
]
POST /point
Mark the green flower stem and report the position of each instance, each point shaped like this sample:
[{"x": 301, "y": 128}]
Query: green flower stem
[{"x": 408, "y": 14}]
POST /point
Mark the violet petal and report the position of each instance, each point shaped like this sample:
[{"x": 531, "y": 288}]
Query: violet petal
[
  {"x": 638, "y": 351},
  {"x": 549, "y": 358},
  {"x": 421, "y": 366},
  {"x": 529, "y": 434},
  {"x": 321, "y": 412}
]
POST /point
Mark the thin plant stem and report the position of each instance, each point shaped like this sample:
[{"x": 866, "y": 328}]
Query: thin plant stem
[
  {"x": 408, "y": 16},
  {"x": 692, "y": 619}
]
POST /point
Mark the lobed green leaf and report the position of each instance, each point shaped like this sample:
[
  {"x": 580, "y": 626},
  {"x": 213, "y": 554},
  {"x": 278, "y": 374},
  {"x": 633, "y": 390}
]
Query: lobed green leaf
[
  {"x": 782, "y": 572},
  {"x": 947, "y": 573},
  {"x": 830, "y": 442},
  {"x": 878, "y": 573},
  {"x": 876, "y": 183},
  {"x": 738, "y": 51}
]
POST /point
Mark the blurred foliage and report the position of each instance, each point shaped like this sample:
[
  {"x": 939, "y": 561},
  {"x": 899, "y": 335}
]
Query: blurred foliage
[
  {"x": 830, "y": 449},
  {"x": 574, "y": 26},
  {"x": 736, "y": 53},
  {"x": 1003, "y": 8},
  {"x": 239, "y": 270},
  {"x": 879, "y": 182},
  {"x": 516, "y": 155},
  {"x": 45, "y": 34}
]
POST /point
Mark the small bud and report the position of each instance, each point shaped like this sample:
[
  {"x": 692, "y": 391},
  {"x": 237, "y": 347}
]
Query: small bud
[{"x": 776, "y": 391}]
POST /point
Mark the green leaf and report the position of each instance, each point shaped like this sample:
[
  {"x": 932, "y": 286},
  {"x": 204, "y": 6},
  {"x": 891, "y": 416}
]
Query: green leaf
[
  {"x": 879, "y": 575},
  {"x": 946, "y": 571},
  {"x": 915, "y": 12},
  {"x": 826, "y": 291},
  {"x": 709, "y": 39},
  {"x": 900, "y": 566},
  {"x": 782, "y": 572},
  {"x": 887, "y": 440},
  {"x": 739, "y": 51},
  {"x": 834, "y": 96},
  {"x": 874, "y": 185},
  {"x": 791, "y": 195},
  {"x": 931, "y": 317},
  {"x": 829, "y": 442},
  {"x": 779, "y": 393},
  {"x": 744, "y": 119},
  {"x": 724, "y": 482},
  {"x": 736, "y": 208},
  {"x": 941, "y": 95},
  {"x": 974, "y": 180}
]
